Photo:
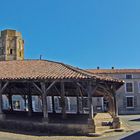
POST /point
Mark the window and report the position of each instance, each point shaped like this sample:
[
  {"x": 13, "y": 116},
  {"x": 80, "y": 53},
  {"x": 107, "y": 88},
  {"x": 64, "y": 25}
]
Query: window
[
  {"x": 129, "y": 102},
  {"x": 128, "y": 76},
  {"x": 129, "y": 87},
  {"x": 16, "y": 105},
  {"x": 60, "y": 102},
  {"x": 20, "y": 53}
]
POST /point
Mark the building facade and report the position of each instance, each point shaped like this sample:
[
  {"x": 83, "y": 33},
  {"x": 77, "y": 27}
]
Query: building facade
[
  {"x": 11, "y": 45},
  {"x": 128, "y": 96}
]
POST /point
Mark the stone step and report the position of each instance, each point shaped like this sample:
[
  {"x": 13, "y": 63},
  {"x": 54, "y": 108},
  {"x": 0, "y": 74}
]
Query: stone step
[
  {"x": 102, "y": 129},
  {"x": 102, "y": 118}
]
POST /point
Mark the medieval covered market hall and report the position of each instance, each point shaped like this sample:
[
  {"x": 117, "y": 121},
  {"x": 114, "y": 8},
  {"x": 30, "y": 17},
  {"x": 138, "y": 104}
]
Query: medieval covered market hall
[{"x": 45, "y": 78}]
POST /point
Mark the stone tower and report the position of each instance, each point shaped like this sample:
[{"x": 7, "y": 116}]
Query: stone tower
[{"x": 11, "y": 45}]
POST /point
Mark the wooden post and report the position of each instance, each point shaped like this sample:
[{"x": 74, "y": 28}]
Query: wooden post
[
  {"x": 82, "y": 106},
  {"x": 111, "y": 106},
  {"x": 30, "y": 109},
  {"x": 29, "y": 105},
  {"x": 53, "y": 104},
  {"x": 91, "y": 114},
  {"x": 115, "y": 105},
  {"x": 2, "y": 116},
  {"x": 44, "y": 102},
  {"x": 77, "y": 98},
  {"x": 78, "y": 109},
  {"x": 10, "y": 102},
  {"x": 116, "y": 119},
  {"x": 63, "y": 104},
  {"x": 25, "y": 103}
]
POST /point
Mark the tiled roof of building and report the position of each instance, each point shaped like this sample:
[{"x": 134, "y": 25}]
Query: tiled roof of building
[
  {"x": 44, "y": 69},
  {"x": 113, "y": 71}
]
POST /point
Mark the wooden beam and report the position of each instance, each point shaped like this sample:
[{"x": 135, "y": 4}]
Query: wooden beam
[
  {"x": 102, "y": 87},
  {"x": 2, "y": 88},
  {"x": 81, "y": 87},
  {"x": 37, "y": 87},
  {"x": 57, "y": 90},
  {"x": 50, "y": 86}
]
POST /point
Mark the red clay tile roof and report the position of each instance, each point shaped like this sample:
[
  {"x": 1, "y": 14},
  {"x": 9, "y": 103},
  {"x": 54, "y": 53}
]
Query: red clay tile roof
[
  {"x": 44, "y": 69},
  {"x": 113, "y": 71}
]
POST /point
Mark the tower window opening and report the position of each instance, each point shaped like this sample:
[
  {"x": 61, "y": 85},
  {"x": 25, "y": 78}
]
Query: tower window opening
[
  {"x": 20, "y": 54},
  {"x": 11, "y": 51}
]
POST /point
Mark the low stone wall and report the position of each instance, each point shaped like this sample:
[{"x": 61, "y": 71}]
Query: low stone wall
[{"x": 48, "y": 129}]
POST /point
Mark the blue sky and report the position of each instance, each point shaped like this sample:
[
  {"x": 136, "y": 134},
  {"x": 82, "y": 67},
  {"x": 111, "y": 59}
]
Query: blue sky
[{"x": 83, "y": 33}]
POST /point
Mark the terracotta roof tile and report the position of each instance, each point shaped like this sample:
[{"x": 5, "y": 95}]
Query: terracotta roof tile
[{"x": 44, "y": 69}]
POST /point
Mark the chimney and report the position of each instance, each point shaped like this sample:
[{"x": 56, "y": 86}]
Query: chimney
[
  {"x": 98, "y": 68},
  {"x": 112, "y": 68},
  {"x": 40, "y": 57}
]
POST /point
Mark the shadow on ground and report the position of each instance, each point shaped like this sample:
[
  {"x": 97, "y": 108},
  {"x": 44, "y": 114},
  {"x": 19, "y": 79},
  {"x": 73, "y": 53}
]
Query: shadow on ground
[
  {"x": 134, "y": 136},
  {"x": 25, "y": 132},
  {"x": 21, "y": 123},
  {"x": 138, "y": 119}
]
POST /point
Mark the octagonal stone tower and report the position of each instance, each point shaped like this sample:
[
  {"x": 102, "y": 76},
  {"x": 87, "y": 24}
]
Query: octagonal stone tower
[{"x": 11, "y": 45}]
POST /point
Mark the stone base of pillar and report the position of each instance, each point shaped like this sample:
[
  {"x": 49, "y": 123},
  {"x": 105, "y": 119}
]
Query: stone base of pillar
[
  {"x": 116, "y": 122},
  {"x": 2, "y": 116},
  {"x": 45, "y": 120},
  {"x": 64, "y": 115},
  {"x": 91, "y": 126},
  {"x": 29, "y": 114}
]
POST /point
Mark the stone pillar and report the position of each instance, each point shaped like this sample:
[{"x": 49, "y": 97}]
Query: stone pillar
[
  {"x": 91, "y": 122},
  {"x": 2, "y": 116},
  {"x": 116, "y": 122},
  {"x": 63, "y": 104},
  {"x": 44, "y": 102}
]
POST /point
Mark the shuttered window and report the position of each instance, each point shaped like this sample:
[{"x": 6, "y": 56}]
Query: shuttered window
[
  {"x": 129, "y": 102},
  {"x": 128, "y": 76},
  {"x": 129, "y": 87}
]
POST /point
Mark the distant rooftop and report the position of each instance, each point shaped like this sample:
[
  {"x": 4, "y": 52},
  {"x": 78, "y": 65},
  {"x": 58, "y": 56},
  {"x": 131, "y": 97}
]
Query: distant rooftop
[{"x": 113, "y": 71}]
